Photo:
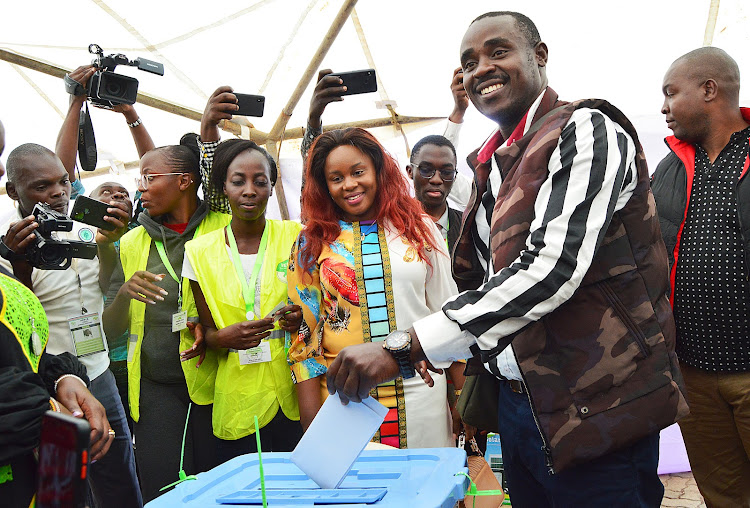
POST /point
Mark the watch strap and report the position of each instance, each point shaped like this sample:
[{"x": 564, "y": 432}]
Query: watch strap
[{"x": 7, "y": 253}]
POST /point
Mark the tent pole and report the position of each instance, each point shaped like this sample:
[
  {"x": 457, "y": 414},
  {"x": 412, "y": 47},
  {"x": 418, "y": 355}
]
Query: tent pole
[
  {"x": 312, "y": 67},
  {"x": 713, "y": 13},
  {"x": 279, "y": 187},
  {"x": 279, "y": 127},
  {"x": 381, "y": 88}
]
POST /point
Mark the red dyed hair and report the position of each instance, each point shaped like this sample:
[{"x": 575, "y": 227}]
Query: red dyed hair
[{"x": 321, "y": 215}]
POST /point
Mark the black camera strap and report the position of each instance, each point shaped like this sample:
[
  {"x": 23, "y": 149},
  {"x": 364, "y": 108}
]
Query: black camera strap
[{"x": 86, "y": 141}]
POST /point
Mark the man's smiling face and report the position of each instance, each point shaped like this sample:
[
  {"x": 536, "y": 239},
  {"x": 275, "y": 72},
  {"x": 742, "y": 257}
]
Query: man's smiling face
[{"x": 503, "y": 72}]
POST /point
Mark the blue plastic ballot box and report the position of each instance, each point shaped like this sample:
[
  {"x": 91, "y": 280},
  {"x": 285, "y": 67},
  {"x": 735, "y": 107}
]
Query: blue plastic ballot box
[{"x": 413, "y": 478}]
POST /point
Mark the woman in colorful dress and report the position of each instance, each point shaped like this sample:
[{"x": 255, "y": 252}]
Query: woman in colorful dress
[
  {"x": 238, "y": 276},
  {"x": 368, "y": 262}
]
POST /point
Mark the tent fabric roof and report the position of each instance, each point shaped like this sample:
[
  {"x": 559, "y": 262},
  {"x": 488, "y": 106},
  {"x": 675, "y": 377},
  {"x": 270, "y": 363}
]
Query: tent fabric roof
[{"x": 614, "y": 50}]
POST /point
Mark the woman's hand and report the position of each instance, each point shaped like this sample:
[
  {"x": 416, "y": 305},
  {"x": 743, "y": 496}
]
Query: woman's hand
[
  {"x": 245, "y": 334},
  {"x": 291, "y": 318},
  {"x": 141, "y": 287},
  {"x": 199, "y": 346}
]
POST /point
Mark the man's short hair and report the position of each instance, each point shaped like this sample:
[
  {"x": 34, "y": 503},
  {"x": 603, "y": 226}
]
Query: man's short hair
[
  {"x": 525, "y": 25},
  {"x": 434, "y": 139},
  {"x": 15, "y": 158}
]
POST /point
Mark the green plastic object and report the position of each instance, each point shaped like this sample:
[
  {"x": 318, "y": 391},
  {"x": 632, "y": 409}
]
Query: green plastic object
[
  {"x": 472, "y": 490},
  {"x": 260, "y": 463},
  {"x": 182, "y": 475}
]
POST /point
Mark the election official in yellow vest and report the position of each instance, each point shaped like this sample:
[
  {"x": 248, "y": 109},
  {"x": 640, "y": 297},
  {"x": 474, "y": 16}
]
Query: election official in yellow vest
[
  {"x": 149, "y": 298},
  {"x": 238, "y": 275}
]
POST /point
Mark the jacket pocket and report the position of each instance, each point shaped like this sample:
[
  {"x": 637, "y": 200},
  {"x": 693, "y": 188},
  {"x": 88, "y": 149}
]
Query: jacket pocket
[{"x": 624, "y": 315}]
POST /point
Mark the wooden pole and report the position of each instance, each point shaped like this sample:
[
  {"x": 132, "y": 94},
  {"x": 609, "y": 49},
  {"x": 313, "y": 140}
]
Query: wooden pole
[
  {"x": 278, "y": 129},
  {"x": 713, "y": 13},
  {"x": 325, "y": 45},
  {"x": 143, "y": 98},
  {"x": 272, "y": 148}
]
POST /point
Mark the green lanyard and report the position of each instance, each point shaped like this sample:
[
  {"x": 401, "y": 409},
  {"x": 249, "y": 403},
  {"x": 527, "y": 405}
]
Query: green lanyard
[
  {"x": 247, "y": 294},
  {"x": 168, "y": 266}
]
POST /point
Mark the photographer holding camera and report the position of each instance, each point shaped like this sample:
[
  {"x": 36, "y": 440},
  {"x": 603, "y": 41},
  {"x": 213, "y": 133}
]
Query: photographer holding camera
[
  {"x": 66, "y": 147},
  {"x": 73, "y": 302}
]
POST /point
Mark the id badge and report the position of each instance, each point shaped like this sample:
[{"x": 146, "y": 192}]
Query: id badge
[
  {"x": 88, "y": 337},
  {"x": 258, "y": 354},
  {"x": 179, "y": 321}
]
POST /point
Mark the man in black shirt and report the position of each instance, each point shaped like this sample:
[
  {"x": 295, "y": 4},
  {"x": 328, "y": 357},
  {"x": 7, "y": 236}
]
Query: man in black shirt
[{"x": 703, "y": 200}]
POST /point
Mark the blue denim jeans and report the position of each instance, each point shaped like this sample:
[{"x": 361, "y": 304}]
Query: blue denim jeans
[
  {"x": 624, "y": 478},
  {"x": 113, "y": 478}
]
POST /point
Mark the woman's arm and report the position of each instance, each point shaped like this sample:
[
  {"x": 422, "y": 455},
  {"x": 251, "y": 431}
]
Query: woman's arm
[{"x": 310, "y": 401}]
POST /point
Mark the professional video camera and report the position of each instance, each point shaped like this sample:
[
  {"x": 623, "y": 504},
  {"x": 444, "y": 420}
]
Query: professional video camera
[
  {"x": 105, "y": 88},
  {"x": 47, "y": 253}
]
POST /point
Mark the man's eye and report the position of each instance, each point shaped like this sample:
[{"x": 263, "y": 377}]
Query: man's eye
[
  {"x": 468, "y": 65},
  {"x": 499, "y": 52}
]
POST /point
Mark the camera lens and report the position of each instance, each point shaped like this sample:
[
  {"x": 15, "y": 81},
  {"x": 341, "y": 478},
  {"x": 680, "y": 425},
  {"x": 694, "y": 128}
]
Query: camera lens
[
  {"x": 113, "y": 88},
  {"x": 53, "y": 254}
]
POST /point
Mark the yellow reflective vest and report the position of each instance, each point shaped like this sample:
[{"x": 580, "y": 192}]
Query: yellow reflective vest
[
  {"x": 134, "y": 249},
  {"x": 244, "y": 391}
]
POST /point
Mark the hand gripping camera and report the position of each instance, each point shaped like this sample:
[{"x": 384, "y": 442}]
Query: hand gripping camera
[
  {"x": 47, "y": 253},
  {"x": 106, "y": 88}
]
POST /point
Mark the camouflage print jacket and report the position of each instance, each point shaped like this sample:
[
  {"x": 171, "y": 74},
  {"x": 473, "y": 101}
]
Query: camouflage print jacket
[{"x": 600, "y": 370}]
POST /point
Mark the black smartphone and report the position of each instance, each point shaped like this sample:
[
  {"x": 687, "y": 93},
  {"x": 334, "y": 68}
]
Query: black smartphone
[
  {"x": 250, "y": 105},
  {"x": 357, "y": 82},
  {"x": 63, "y": 462},
  {"x": 92, "y": 212}
]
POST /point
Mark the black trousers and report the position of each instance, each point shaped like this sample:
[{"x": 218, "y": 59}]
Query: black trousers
[{"x": 158, "y": 437}]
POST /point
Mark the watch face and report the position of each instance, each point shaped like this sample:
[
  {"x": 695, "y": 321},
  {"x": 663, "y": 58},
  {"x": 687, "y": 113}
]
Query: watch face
[{"x": 397, "y": 340}]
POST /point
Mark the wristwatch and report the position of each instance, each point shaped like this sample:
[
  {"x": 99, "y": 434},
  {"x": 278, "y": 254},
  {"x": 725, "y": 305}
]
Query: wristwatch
[{"x": 398, "y": 343}]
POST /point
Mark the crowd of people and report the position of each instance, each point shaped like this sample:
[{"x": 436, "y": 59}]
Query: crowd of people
[{"x": 593, "y": 304}]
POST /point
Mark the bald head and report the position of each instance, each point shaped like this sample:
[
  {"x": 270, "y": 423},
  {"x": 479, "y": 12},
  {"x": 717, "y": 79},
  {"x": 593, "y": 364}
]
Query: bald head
[{"x": 710, "y": 63}]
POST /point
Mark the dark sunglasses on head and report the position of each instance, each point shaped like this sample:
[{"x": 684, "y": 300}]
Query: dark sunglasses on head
[{"x": 447, "y": 175}]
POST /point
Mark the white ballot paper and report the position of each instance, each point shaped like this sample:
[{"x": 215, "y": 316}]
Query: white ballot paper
[{"x": 336, "y": 437}]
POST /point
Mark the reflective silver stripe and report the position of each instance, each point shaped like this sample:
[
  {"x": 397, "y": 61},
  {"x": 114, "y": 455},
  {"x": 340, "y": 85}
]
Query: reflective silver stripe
[{"x": 277, "y": 334}]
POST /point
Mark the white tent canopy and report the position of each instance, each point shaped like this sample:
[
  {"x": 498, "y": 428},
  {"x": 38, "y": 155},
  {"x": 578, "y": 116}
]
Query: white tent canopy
[{"x": 614, "y": 50}]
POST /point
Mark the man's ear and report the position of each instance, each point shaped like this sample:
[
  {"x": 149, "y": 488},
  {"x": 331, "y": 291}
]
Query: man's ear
[
  {"x": 10, "y": 189},
  {"x": 541, "y": 53},
  {"x": 409, "y": 172},
  {"x": 710, "y": 90}
]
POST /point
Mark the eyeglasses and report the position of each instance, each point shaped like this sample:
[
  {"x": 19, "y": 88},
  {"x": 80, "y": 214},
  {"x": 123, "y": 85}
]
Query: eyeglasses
[
  {"x": 447, "y": 175},
  {"x": 145, "y": 180}
]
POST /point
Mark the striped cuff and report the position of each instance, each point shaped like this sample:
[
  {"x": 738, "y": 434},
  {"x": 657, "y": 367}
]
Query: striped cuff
[{"x": 442, "y": 340}]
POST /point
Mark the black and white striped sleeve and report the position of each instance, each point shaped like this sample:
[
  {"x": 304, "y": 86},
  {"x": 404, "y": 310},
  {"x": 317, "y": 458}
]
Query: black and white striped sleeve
[{"x": 592, "y": 174}]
